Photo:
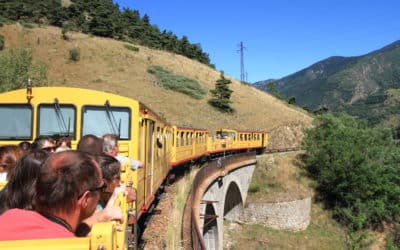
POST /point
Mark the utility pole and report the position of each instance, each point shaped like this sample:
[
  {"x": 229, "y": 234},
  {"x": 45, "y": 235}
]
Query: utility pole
[{"x": 242, "y": 73}]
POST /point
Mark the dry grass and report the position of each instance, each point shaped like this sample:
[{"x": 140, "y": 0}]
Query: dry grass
[
  {"x": 282, "y": 180},
  {"x": 106, "y": 65},
  {"x": 277, "y": 177}
]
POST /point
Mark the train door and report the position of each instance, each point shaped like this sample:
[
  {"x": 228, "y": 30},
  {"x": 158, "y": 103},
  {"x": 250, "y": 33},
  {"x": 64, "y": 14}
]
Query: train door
[
  {"x": 142, "y": 171},
  {"x": 149, "y": 161}
]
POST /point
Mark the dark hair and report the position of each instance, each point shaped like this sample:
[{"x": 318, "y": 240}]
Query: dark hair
[
  {"x": 9, "y": 156},
  {"x": 63, "y": 140},
  {"x": 64, "y": 177},
  {"x": 91, "y": 144},
  {"x": 109, "y": 166},
  {"x": 25, "y": 145},
  {"x": 39, "y": 142},
  {"x": 20, "y": 189}
]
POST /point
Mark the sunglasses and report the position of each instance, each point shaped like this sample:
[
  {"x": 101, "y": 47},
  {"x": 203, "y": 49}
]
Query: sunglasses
[
  {"x": 49, "y": 149},
  {"x": 101, "y": 188}
]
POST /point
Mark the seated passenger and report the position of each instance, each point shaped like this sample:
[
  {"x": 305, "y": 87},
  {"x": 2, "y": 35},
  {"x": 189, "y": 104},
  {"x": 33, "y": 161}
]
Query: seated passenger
[
  {"x": 9, "y": 155},
  {"x": 63, "y": 144},
  {"x": 45, "y": 143},
  {"x": 20, "y": 189},
  {"x": 25, "y": 146},
  {"x": 67, "y": 192},
  {"x": 106, "y": 210},
  {"x": 110, "y": 147},
  {"x": 111, "y": 170}
]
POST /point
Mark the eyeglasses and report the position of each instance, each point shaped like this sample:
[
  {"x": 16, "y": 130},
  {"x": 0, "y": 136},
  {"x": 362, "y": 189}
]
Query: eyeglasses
[
  {"x": 49, "y": 149},
  {"x": 101, "y": 189}
]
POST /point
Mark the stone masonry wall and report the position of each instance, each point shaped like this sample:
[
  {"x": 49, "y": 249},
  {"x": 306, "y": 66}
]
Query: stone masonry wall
[{"x": 292, "y": 215}]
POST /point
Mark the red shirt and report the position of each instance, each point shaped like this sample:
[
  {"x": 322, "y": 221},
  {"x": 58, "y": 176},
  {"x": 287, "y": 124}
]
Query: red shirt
[{"x": 19, "y": 224}]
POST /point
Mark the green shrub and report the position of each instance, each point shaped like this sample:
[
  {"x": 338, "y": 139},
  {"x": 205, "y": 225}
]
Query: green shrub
[
  {"x": 28, "y": 25},
  {"x": 177, "y": 83},
  {"x": 1, "y": 42},
  {"x": 254, "y": 188},
  {"x": 17, "y": 67},
  {"x": 74, "y": 54},
  {"x": 64, "y": 35},
  {"x": 356, "y": 169},
  {"x": 132, "y": 48}
]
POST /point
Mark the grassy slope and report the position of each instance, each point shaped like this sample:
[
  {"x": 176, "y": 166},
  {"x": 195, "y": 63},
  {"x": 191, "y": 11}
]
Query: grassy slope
[{"x": 106, "y": 65}]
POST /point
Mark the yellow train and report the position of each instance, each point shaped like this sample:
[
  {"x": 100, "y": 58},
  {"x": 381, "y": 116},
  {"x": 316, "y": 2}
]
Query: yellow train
[{"x": 74, "y": 112}]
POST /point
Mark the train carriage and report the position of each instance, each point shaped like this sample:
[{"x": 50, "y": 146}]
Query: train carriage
[{"x": 73, "y": 112}]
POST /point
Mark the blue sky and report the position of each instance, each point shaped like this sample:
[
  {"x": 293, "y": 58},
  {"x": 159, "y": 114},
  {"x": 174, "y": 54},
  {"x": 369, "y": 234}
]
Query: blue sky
[{"x": 280, "y": 37}]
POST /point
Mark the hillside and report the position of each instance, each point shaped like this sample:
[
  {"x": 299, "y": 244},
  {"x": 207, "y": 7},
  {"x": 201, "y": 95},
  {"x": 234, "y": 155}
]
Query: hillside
[
  {"x": 106, "y": 65},
  {"x": 365, "y": 86}
]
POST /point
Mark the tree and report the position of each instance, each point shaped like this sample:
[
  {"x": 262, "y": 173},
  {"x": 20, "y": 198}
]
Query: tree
[
  {"x": 356, "y": 170},
  {"x": 17, "y": 67},
  {"x": 272, "y": 89},
  {"x": 222, "y": 95}
]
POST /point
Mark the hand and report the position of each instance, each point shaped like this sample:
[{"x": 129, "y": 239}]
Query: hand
[
  {"x": 130, "y": 194},
  {"x": 111, "y": 213}
]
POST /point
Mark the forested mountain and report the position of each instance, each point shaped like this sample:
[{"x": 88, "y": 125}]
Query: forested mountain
[
  {"x": 101, "y": 18},
  {"x": 366, "y": 86}
]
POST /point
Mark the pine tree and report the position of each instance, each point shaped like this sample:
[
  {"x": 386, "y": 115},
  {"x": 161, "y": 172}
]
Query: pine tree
[{"x": 222, "y": 95}]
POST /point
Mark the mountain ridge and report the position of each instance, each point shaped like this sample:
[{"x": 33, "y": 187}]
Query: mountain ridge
[{"x": 347, "y": 83}]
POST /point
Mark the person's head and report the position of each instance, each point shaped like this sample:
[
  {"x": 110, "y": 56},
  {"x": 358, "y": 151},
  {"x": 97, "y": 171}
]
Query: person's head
[
  {"x": 9, "y": 155},
  {"x": 25, "y": 145},
  {"x": 69, "y": 185},
  {"x": 64, "y": 142},
  {"x": 111, "y": 170},
  {"x": 20, "y": 189},
  {"x": 91, "y": 144},
  {"x": 110, "y": 144},
  {"x": 45, "y": 143}
]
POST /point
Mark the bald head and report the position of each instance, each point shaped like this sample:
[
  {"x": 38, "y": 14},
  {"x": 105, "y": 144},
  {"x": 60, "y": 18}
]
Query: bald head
[{"x": 64, "y": 177}]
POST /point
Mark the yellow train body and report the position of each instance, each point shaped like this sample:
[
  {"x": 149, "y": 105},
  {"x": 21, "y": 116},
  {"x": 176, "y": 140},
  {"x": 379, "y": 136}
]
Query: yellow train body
[{"x": 74, "y": 112}]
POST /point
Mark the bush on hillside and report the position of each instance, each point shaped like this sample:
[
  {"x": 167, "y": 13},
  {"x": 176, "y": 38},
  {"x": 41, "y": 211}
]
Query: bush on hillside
[
  {"x": 74, "y": 54},
  {"x": 17, "y": 67},
  {"x": 177, "y": 83},
  {"x": 1, "y": 42},
  {"x": 132, "y": 48},
  {"x": 356, "y": 169}
]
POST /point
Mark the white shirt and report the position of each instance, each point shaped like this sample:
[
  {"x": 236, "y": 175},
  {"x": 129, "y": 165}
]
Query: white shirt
[{"x": 134, "y": 164}]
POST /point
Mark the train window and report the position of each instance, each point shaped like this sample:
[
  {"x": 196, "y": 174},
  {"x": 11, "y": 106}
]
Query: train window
[
  {"x": 100, "y": 120},
  {"x": 56, "y": 120},
  {"x": 178, "y": 139},
  {"x": 16, "y": 122},
  {"x": 183, "y": 142}
]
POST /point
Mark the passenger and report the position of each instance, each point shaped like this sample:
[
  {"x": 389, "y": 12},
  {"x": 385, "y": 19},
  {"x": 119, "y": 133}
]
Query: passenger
[
  {"x": 20, "y": 189},
  {"x": 110, "y": 147},
  {"x": 9, "y": 155},
  {"x": 91, "y": 144},
  {"x": 63, "y": 144},
  {"x": 111, "y": 170},
  {"x": 106, "y": 210},
  {"x": 25, "y": 146},
  {"x": 67, "y": 192},
  {"x": 64, "y": 141},
  {"x": 45, "y": 143}
]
